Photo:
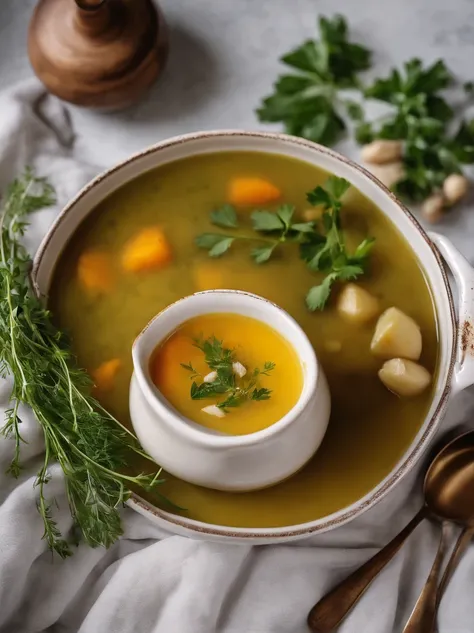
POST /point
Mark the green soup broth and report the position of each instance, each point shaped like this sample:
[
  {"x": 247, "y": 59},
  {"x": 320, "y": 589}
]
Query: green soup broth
[{"x": 369, "y": 429}]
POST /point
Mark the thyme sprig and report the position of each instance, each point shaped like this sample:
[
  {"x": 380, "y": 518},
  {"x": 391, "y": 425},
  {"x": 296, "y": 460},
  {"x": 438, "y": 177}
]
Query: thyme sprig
[{"x": 90, "y": 445}]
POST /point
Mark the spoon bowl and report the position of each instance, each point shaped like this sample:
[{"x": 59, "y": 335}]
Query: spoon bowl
[
  {"x": 449, "y": 482},
  {"x": 449, "y": 496}
]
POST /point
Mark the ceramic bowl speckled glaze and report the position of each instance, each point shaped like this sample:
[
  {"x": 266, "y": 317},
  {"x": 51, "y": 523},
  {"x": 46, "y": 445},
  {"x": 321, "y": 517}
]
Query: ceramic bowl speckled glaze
[{"x": 456, "y": 336}]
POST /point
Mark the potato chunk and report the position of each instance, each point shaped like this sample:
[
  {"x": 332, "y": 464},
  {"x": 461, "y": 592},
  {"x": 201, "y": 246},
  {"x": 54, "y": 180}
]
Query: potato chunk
[
  {"x": 396, "y": 335},
  {"x": 404, "y": 377},
  {"x": 357, "y": 305}
]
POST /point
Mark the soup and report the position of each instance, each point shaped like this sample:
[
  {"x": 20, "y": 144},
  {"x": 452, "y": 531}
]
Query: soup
[
  {"x": 370, "y": 428},
  {"x": 244, "y": 375}
]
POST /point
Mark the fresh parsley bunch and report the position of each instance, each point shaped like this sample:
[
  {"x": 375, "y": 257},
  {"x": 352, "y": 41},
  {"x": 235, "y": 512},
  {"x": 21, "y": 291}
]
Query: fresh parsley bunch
[
  {"x": 310, "y": 104},
  {"x": 420, "y": 117}
]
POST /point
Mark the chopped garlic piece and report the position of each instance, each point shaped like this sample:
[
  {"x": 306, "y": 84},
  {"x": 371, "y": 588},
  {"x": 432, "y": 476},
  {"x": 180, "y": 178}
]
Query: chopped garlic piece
[
  {"x": 239, "y": 369},
  {"x": 210, "y": 377},
  {"x": 214, "y": 410}
]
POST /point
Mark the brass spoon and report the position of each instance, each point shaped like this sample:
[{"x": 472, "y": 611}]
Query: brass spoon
[
  {"x": 449, "y": 495},
  {"x": 453, "y": 477}
]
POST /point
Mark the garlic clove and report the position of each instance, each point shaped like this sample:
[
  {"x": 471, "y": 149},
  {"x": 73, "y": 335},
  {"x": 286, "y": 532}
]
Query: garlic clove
[
  {"x": 455, "y": 187},
  {"x": 396, "y": 335},
  {"x": 382, "y": 151},
  {"x": 239, "y": 369},
  {"x": 214, "y": 410},
  {"x": 356, "y": 305},
  {"x": 432, "y": 208},
  {"x": 404, "y": 377},
  {"x": 388, "y": 174},
  {"x": 210, "y": 377}
]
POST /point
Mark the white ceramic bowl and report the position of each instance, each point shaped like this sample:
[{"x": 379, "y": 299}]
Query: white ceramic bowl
[
  {"x": 208, "y": 458},
  {"x": 456, "y": 333}
]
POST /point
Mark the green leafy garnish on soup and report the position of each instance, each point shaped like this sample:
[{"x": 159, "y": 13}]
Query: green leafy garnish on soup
[
  {"x": 227, "y": 377},
  {"x": 234, "y": 388},
  {"x": 321, "y": 245}
]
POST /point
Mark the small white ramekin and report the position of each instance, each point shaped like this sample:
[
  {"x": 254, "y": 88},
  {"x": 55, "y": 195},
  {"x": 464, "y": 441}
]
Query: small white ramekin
[{"x": 209, "y": 458}]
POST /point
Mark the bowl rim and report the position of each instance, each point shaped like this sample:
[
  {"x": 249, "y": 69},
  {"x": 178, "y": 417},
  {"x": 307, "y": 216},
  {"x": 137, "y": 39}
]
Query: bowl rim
[{"x": 416, "y": 448}]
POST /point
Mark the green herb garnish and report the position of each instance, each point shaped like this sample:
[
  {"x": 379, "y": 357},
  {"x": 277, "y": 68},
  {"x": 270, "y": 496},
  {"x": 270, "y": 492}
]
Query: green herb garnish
[
  {"x": 235, "y": 390},
  {"x": 328, "y": 254},
  {"x": 322, "y": 250},
  {"x": 91, "y": 446},
  {"x": 309, "y": 103},
  {"x": 277, "y": 224}
]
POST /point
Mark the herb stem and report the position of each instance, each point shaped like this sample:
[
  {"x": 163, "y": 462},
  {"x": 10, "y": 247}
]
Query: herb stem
[{"x": 90, "y": 445}]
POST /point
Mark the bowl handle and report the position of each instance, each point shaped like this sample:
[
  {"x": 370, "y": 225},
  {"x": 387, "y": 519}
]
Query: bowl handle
[{"x": 463, "y": 274}]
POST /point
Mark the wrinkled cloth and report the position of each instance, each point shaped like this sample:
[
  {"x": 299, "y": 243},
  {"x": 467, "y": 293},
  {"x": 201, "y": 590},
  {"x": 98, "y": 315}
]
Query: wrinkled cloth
[{"x": 154, "y": 582}]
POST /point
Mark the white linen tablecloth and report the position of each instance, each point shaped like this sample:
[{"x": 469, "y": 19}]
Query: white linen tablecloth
[{"x": 154, "y": 582}]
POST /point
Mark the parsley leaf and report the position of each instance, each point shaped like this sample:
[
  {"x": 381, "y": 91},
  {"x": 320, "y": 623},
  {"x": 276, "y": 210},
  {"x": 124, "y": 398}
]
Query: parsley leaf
[
  {"x": 363, "y": 250},
  {"x": 307, "y": 102},
  {"x": 215, "y": 243},
  {"x": 263, "y": 254},
  {"x": 261, "y": 394},
  {"x": 303, "y": 227},
  {"x": 329, "y": 254},
  {"x": 462, "y": 144},
  {"x": 318, "y": 295},
  {"x": 266, "y": 221},
  {"x": 225, "y": 216},
  {"x": 236, "y": 389},
  {"x": 330, "y": 195},
  {"x": 354, "y": 110}
]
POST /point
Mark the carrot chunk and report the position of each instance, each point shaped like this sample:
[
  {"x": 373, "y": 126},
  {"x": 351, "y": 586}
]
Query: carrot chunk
[
  {"x": 94, "y": 271},
  {"x": 252, "y": 191},
  {"x": 104, "y": 375},
  {"x": 147, "y": 250}
]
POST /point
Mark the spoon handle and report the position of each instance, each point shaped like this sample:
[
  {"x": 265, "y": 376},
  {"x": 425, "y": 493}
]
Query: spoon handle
[
  {"x": 334, "y": 606},
  {"x": 464, "y": 539},
  {"x": 423, "y": 616}
]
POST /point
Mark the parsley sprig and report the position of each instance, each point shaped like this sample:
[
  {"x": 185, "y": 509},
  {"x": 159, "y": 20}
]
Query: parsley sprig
[
  {"x": 328, "y": 253},
  {"x": 312, "y": 104},
  {"x": 273, "y": 229},
  {"x": 421, "y": 118},
  {"x": 322, "y": 248},
  {"x": 227, "y": 383},
  {"x": 309, "y": 102},
  {"x": 91, "y": 446}
]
